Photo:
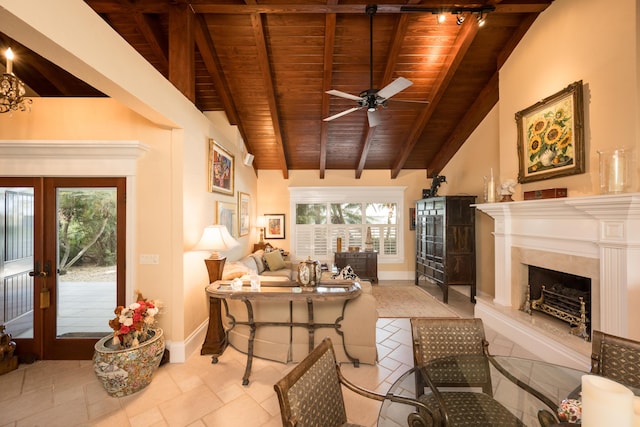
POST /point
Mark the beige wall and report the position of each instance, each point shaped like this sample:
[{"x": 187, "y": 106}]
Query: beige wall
[{"x": 562, "y": 47}]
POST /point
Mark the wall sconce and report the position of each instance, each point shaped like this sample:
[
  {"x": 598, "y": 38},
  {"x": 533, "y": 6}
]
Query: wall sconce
[{"x": 261, "y": 223}]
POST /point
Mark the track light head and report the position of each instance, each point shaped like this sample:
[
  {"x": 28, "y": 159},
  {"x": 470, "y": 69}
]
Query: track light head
[
  {"x": 460, "y": 19},
  {"x": 481, "y": 19},
  {"x": 441, "y": 18}
]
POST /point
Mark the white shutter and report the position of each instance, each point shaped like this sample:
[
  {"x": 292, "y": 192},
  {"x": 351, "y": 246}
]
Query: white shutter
[{"x": 304, "y": 241}]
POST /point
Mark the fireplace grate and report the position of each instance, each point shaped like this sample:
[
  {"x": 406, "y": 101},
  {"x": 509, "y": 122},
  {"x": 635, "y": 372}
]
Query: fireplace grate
[{"x": 567, "y": 304}]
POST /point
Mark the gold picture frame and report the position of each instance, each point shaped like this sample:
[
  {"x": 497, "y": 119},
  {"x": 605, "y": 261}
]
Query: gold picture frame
[
  {"x": 551, "y": 136},
  {"x": 221, "y": 169}
]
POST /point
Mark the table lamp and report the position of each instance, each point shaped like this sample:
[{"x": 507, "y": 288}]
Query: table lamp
[
  {"x": 261, "y": 223},
  {"x": 215, "y": 238}
]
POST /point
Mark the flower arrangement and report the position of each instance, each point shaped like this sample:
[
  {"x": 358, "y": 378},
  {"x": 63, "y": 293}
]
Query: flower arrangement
[{"x": 132, "y": 324}]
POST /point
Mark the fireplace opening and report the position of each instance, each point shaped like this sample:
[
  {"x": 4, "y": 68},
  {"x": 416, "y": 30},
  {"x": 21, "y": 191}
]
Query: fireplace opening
[{"x": 561, "y": 295}]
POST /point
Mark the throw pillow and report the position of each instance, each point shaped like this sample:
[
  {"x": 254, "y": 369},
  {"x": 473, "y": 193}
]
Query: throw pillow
[
  {"x": 273, "y": 261},
  {"x": 257, "y": 256},
  {"x": 234, "y": 269},
  {"x": 346, "y": 273}
]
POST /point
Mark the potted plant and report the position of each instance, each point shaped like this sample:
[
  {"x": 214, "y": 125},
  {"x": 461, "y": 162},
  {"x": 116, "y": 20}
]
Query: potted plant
[{"x": 125, "y": 361}]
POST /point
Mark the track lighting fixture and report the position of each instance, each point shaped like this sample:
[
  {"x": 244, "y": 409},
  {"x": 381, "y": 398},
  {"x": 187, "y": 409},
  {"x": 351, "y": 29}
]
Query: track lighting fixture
[
  {"x": 481, "y": 19},
  {"x": 480, "y": 12}
]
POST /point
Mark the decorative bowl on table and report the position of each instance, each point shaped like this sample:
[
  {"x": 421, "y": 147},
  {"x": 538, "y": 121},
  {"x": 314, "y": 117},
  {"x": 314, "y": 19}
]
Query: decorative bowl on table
[{"x": 570, "y": 411}]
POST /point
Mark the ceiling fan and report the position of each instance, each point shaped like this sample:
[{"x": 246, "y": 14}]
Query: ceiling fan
[{"x": 371, "y": 98}]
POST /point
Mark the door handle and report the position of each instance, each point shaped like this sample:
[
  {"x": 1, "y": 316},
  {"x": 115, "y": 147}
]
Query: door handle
[{"x": 40, "y": 273}]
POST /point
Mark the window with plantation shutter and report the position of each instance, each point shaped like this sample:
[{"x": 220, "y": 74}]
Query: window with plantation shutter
[{"x": 324, "y": 214}]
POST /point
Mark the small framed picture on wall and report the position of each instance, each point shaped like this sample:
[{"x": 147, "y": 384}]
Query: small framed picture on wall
[
  {"x": 244, "y": 208},
  {"x": 275, "y": 226},
  {"x": 221, "y": 169}
]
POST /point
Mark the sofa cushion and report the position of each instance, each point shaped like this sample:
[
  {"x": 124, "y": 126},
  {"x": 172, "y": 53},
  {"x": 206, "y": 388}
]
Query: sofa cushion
[{"x": 274, "y": 261}]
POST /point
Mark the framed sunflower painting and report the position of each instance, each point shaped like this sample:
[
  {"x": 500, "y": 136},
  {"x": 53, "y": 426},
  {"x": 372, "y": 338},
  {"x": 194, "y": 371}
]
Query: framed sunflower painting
[{"x": 551, "y": 136}]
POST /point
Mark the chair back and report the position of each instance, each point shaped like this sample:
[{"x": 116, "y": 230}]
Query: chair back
[
  {"x": 435, "y": 338},
  {"x": 310, "y": 395},
  {"x": 616, "y": 358}
]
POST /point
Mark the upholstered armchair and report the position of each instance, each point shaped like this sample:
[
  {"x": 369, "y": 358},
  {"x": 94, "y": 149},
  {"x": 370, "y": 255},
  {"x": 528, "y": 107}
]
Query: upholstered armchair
[{"x": 437, "y": 338}]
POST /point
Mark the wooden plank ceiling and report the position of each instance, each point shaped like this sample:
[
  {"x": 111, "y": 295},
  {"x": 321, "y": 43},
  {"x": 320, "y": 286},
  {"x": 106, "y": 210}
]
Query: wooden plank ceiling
[{"x": 268, "y": 64}]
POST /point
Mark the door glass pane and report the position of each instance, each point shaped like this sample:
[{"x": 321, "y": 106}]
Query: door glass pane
[
  {"x": 86, "y": 260},
  {"x": 16, "y": 294}
]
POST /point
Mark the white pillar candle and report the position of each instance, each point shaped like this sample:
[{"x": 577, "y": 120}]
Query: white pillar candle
[
  {"x": 636, "y": 411},
  {"x": 605, "y": 403},
  {"x": 616, "y": 172},
  {"x": 491, "y": 189}
]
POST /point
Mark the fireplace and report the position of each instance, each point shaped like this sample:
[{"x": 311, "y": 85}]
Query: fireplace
[
  {"x": 562, "y": 295},
  {"x": 597, "y": 237}
]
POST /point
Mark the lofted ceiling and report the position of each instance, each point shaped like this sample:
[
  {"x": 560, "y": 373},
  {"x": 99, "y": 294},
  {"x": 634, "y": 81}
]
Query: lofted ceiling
[{"x": 268, "y": 65}]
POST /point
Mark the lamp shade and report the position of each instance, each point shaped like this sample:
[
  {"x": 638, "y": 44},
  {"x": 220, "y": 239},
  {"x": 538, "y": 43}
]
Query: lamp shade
[
  {"x": 216, "y": 238},
  {"x": 261, "y": 222}
]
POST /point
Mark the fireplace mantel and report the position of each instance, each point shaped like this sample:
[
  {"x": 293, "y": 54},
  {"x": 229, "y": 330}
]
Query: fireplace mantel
[{"x": 604, "y": 229}]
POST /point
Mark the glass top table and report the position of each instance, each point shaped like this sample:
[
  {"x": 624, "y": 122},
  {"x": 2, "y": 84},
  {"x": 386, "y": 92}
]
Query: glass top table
[{"x": 523, "y": 386}]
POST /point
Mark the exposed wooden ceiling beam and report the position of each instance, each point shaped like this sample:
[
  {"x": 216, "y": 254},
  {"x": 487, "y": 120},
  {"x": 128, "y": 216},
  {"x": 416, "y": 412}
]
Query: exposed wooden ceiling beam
[
  {"x": 152, "y": 33},
  {"x": 270, "y": 93},
  {"x": 327, "y": 79},
  {"x": 182, "y": 51},
  {"x": 210, "y": 58},
  {"x": 468, "y": 31},
  {"x": 348, "y": 8}
]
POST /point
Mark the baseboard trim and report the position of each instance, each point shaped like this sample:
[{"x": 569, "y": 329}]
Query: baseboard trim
[{"x": 181, "y": 350}]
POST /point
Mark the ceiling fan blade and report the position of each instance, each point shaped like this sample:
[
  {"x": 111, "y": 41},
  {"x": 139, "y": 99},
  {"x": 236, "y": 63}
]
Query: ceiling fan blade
[
  {"x": 415, "y": 101},
  {"x": 344, "y": 113},
  {"x": 398, "y": 85},
  {"x": 343, "y": 95},
  {"x": 374, "y": 118}
]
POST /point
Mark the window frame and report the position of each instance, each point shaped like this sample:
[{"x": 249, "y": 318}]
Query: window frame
[{"x": 308, "y": 195}]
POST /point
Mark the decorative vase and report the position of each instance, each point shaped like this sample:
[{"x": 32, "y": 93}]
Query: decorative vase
[
  {"x": 368, "y": 243},
  {"x": 126, "y": 371},
  {"x": 309, "y": 273}
]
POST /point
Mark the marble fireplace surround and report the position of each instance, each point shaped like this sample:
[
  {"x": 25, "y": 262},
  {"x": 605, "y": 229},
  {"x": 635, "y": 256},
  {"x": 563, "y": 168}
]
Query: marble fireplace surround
[{"x": 596, "y": 237}]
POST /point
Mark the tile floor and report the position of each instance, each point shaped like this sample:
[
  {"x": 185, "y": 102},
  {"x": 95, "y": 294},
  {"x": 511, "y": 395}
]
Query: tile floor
[{"x": 198, "y": 393}]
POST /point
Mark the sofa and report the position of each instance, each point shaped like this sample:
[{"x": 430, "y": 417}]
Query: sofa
[{"x": 288, "y": 343}]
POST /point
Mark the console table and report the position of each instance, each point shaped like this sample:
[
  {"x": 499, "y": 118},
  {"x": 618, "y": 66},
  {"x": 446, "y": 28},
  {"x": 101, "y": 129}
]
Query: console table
[{"x": 284, "y": 291}]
